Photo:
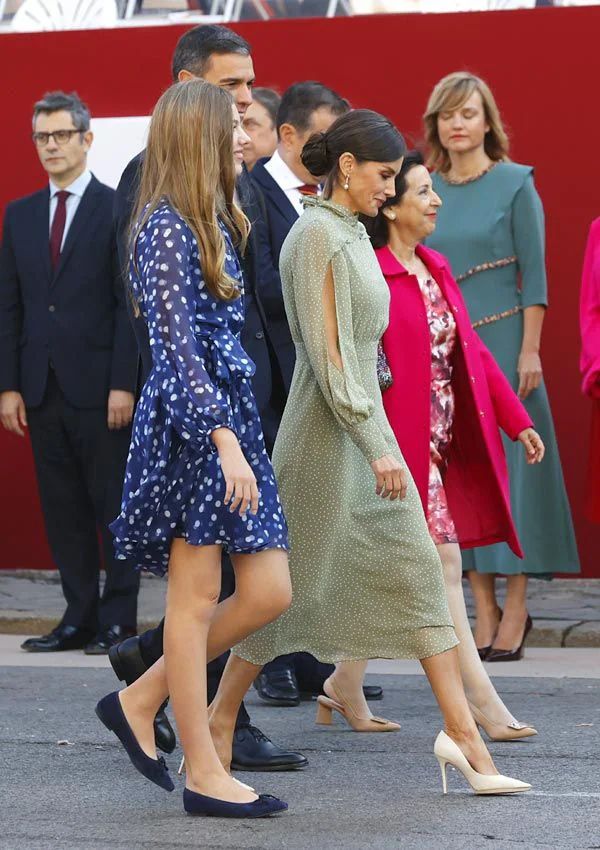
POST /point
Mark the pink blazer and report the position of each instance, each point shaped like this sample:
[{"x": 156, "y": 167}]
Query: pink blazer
[
  {"x": 476, "y": 477},
  {"x": 589, "y": 314}
]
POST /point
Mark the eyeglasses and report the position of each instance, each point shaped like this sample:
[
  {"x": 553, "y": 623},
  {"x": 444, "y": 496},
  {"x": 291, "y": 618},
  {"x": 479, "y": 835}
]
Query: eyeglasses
[{"x": 61, "y": 137}]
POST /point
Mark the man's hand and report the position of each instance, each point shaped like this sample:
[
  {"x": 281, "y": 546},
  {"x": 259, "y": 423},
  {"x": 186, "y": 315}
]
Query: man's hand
[
  {"x": 120, "y": 409},
  {"x": 12, "y": 412}
]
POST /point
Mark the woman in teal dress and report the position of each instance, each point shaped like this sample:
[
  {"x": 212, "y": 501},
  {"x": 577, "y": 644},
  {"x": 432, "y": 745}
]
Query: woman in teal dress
[{"x": 491, "y": 227}]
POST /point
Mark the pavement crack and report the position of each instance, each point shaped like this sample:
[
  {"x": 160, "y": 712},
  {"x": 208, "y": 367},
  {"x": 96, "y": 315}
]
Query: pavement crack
[{"x": 568, "y": 631}]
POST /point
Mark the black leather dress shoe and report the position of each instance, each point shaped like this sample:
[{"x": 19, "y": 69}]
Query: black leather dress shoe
[
  {"x": 127, "y": 662},
  {"x": 110, "y": 636},
  {"x": 59, "y": 639},
  {"x": 278, "y": 687},
  {"x": 252, "y": 750},
  {"x": 371, "y": 692}
]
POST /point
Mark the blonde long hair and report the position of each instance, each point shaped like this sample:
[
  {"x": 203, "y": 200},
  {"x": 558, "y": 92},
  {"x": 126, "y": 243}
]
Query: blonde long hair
[
  {"x": 189, "y": 163},
  {"x": 450, "y": 94}
]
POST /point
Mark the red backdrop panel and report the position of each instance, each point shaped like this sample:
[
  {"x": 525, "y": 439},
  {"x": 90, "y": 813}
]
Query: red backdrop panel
[{"x": 542, "y": 64}]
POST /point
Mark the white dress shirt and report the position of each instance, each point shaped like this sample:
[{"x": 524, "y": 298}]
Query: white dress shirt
[
  {"x": 287, "y": 181},
  {"x": 76, "y": 188}
]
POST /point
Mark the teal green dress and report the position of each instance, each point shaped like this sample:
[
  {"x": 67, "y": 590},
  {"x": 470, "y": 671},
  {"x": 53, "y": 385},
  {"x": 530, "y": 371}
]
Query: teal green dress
[{"x": 492, "y": 231}]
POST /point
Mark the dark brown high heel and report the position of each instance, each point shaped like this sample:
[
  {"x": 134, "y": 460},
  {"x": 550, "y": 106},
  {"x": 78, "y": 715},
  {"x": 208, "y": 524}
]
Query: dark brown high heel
[
  {"x": 511, "y": 654},
  {"x": 485, "y": 650}
]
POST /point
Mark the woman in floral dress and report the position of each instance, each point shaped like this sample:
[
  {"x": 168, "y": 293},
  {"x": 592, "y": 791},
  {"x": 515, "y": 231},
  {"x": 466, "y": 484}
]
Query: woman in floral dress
[{"x": 446, "y": 398}]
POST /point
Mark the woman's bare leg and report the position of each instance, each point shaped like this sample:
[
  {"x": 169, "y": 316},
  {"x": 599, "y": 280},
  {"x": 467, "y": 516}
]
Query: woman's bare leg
[
  {"x": 263, "y": 584},
  {"x": 483, "y": 586},
  {"x": 444, "y": 677},
  {"x": 347, "y": 681},
  {"x": 235, "y": 618},
  {"x": 192, "y": 596},
  {"x": 478, "y": 687},
  {"x": 512, "y": 626}
]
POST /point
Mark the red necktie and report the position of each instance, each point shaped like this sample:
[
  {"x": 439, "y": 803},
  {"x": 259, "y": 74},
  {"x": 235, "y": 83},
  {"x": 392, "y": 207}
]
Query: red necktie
[
  {"x": 58, "y": 227},
  {"x": 307, "y": 189}
]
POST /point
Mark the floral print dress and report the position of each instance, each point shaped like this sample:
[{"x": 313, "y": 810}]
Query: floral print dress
[
  {"x": 442, "y": 329},
  {"x": 200, "y": 381}
]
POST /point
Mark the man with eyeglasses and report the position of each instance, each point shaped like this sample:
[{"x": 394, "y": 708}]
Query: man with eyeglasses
[{"x": 68, "y": 369}]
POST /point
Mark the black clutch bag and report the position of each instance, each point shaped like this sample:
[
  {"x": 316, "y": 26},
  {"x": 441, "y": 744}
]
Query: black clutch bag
[{"x": 384, "y": 374}]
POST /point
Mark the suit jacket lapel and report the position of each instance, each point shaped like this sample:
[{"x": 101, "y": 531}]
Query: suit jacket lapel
[
  {"x": 41, "y": 230},
  {"x": 86, "y": 207},
  {"x": 276, "y": 195}
]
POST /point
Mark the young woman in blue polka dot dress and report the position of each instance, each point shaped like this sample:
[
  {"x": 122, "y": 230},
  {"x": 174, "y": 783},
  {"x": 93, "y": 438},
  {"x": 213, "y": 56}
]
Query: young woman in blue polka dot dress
[{"x": 198, "y": 477}]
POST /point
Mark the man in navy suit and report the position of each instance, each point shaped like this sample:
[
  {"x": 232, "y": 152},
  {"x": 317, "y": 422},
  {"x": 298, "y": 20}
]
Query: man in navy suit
[
  {"x": 68, "y": 367},
  {"x": 306, "y": 108},
  {"x": 223, "y": 58}
]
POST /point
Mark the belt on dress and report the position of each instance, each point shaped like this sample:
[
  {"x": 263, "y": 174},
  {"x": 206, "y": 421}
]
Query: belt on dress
[{"x": 228, "y": 358}]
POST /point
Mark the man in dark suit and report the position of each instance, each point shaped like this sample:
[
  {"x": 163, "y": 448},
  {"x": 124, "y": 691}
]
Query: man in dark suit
[
  {"x": 305, "y": 108},
  {"x": 223, "y": 58},
  {"x": 68, "y": 367}
]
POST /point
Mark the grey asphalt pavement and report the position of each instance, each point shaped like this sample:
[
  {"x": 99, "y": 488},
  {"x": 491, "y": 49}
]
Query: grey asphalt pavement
[{"x": 65, "y": 783}]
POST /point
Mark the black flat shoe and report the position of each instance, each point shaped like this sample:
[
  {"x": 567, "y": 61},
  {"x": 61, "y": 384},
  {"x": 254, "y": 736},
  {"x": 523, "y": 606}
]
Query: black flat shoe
[
  {"x": 127, "y": 662},
  {"x": 60, "y": 639},
  {"x": 107, "y": 638},
  {"x": 278, "y": 687},
  {"x": 497, "y": 654},
  {"x": 252, "y": 750},
  {"x": 199, "y": 804},
  {"x": 110, "y": 713}
]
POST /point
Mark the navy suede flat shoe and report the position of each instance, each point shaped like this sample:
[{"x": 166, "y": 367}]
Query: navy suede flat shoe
[
  {"x": 199, "y": 804},
  {"x": 111, "y": 714}
]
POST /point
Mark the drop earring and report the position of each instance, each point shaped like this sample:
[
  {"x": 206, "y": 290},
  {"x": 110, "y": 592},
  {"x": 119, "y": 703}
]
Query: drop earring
[{"x": 347, "y": 182}]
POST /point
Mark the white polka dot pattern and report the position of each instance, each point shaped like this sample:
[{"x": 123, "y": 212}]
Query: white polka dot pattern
[
  {"x": 200, "y": 381},
  {"x": 367, "y": 579}
]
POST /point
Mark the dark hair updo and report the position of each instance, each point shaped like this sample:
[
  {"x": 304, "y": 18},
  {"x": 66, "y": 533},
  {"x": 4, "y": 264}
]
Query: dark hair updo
[
  {"x": 367, "y": 135},
  {"x": 377, "y": 227}
]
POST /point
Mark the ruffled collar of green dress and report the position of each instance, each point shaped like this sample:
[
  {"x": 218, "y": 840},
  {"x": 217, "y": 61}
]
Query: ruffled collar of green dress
[{"x": 337, "y": 209}]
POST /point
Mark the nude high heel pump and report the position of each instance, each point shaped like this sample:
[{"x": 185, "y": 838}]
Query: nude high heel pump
[
  {"x": 326, "y": 707},
  {"x": 448, "y": 752},
  {"x": 501, "y": 731}
]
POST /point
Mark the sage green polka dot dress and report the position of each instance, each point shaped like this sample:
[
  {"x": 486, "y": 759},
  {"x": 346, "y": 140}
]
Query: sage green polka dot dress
[{"x": 367, "y": 580}]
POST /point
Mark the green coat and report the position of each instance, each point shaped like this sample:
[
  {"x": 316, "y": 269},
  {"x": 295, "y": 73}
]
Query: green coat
[{"x": 498, "y": 219}]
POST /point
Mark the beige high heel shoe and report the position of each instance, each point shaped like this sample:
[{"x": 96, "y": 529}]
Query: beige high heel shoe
[
  {"x": 501, "y": 731},
  {"x": 243, "y": 784},
  {"x": 326, "y": 706},
  {"x": 448, "y": 752}
]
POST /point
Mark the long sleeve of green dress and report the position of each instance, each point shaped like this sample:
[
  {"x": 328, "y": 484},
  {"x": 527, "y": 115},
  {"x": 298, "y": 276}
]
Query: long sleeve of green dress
[{"x": 344, "y": 391}]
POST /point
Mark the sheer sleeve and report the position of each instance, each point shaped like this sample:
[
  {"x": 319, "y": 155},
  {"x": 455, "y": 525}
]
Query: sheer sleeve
[
  {"x": 170, "y": 283},
  {"x": 530, "y": 244},
  {"x": 343, "y": 390}
]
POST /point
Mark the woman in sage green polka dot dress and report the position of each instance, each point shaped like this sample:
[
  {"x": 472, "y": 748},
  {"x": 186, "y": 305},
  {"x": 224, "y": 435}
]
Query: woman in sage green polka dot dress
[{"x": 367, "y": 580}]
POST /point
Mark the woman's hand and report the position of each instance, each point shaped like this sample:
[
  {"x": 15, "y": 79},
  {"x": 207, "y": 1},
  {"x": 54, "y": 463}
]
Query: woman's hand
[
  {"x": 240, "y": 482},
  {"x": 391, "y": 480},
  {"x": 534, "y": 447},
  {"x": 529, "y": 369}
]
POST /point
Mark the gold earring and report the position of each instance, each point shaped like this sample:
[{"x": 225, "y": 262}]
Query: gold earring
[
  {"x": 347, "y": 182},
  {"x": 391, "y": 216}
]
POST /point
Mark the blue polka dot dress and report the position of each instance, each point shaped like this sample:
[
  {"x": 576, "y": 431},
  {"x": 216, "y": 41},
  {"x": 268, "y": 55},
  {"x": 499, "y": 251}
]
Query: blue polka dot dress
[{"x": 200, "y": 381}]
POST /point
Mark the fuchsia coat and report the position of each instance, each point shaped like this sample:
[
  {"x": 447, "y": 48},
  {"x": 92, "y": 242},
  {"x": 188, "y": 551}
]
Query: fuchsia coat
[
  {"x": 476, "y": 476},
  {"x": 589, "y": 314}
]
